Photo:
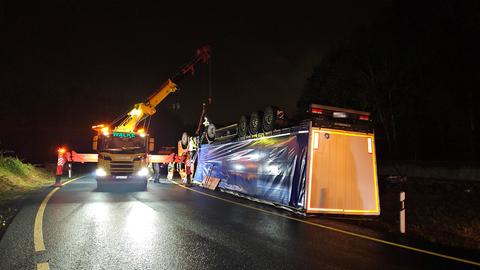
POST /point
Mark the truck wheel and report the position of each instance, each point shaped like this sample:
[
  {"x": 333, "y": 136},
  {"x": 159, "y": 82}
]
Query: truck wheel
[
  {"x": 211, "y": 133},
  {"x": 242, "y": 126},
  {"x": 184, "y": 140},
  {"x": 255, "y": 122},
  {"x": 269, "y": 115}
]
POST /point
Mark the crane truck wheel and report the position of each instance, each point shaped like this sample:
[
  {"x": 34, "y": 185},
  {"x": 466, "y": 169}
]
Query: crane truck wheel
[
  {"x": 211, "y": 133},
  {"x": 255, "y": 123},
  {"x": 269, "y": 115},
  {"x": 184, "y": 140},
  {"x": 242, "y": 126}
]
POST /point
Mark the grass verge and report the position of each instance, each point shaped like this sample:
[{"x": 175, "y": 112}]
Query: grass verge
[
  {"x": 439, "y": 211},
  {"x": 16, "y": 179}
]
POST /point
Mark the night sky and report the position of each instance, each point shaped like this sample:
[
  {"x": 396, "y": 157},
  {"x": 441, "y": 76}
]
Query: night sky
[{"x": 67, "y": 65}]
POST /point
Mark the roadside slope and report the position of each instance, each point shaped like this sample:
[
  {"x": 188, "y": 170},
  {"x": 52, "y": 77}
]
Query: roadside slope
[
  {"x": 17, "y": 177},
  {"x": 16, "y": 180}
]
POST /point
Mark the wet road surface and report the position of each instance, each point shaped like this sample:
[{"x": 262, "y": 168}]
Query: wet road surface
[{"x": 170, "y": 227}]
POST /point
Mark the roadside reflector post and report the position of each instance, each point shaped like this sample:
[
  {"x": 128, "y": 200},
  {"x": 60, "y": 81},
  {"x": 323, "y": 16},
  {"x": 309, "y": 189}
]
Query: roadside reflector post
[
  {"x": 69, "y": 170},
  {"x": 402, "y": 212}
]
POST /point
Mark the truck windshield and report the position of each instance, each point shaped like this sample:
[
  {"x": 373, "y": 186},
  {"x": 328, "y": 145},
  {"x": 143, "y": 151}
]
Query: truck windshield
[{"x": 124, "y": 145}]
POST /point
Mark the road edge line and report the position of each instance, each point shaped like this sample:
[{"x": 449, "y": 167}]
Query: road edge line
[
  {"x": 337, "y": 230},
  {"x": 38, "y": 225}
]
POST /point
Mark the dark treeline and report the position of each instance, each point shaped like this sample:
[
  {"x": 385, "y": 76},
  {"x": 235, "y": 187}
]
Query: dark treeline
[{"x": 417, "y": 69}]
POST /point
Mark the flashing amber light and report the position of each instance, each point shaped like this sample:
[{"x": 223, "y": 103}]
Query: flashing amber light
[
  {"x": 135, "y": 112},
  {"x": 61, "y": 150},
  {"x": 363, "y": 117},
  {"x": 141, "y": 132},
  {"x": 317, "y": 110},
  {"x": 105, "y": 131}
]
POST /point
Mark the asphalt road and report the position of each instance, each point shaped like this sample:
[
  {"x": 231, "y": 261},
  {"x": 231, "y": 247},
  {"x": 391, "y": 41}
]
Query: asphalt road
[{"x": 170, "y": 227}]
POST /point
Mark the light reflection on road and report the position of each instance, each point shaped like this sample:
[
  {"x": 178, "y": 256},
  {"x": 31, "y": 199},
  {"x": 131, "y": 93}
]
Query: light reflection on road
[
  {"x": 140, "y": 223},
  {"x": 123, "y": 232},
  {"x": 98, "y": 212}
]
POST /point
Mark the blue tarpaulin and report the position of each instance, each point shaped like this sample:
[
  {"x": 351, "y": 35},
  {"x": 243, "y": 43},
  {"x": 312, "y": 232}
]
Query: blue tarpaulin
[{"x": 269, "y": 168}]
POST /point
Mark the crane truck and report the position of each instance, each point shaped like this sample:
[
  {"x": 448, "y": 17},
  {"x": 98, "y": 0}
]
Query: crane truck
[{"x": 123, "y": 149}]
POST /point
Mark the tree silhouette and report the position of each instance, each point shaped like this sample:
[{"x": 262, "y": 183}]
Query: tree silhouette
[{"x": 416, "y": 69}]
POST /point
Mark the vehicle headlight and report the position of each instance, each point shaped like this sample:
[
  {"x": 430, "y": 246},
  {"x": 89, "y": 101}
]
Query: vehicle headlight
[
  {"x": 143, "y": 172},
  {"x": 100, "y": 172}
]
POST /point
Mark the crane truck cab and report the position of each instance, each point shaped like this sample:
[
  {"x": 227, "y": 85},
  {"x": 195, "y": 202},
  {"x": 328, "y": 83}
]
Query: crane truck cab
[{"x": 122, "y": 158}]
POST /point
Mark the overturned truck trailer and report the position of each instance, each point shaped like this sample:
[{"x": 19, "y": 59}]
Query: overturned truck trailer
[{"x": 325, "y": 164}]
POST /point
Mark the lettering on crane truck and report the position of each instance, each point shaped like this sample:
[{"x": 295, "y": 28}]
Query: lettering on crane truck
[{"x": 123, "y": 135}]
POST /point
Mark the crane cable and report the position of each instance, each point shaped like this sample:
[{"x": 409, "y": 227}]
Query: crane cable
[
  {"x": 122, "y": 116},
  {"x": 148, "y": 124},
  {"x": 210, "y": 64},
  {"x": 209, "y": 99}
]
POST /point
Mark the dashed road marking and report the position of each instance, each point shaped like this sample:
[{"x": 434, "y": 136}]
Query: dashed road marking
[{"x": 43, "y": 266}]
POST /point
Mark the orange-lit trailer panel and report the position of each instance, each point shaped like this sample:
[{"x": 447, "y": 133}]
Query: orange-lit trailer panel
[{"x": 342, "y": 173}]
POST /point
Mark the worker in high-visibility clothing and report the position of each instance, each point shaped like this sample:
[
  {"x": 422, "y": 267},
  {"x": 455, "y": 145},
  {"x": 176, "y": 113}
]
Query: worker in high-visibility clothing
[
  {"x": 188, "y": 170},
  {"x": 63, "y": 157},
  {"x": 156, "y": 172},
  {"x": 171, "y": 165}
]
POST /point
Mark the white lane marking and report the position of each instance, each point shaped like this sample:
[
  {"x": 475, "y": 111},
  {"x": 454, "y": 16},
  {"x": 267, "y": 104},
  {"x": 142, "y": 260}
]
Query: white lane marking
[{"x": 337, "y": 230}]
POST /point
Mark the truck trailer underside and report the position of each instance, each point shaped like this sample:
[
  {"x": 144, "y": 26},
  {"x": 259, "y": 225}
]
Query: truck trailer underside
[{"x": 312, "y": 170}]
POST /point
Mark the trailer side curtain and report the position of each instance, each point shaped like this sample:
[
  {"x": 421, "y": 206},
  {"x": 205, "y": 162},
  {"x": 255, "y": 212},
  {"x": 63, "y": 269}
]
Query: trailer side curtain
[{"x": 269, "y": 168}]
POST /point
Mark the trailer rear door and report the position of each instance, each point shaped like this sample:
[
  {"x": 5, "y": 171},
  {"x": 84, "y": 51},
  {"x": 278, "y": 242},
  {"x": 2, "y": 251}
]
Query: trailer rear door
[{"x": 342, "y": 173}]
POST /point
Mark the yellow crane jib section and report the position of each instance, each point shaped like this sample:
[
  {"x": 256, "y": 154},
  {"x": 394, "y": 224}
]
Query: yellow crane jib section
[{"x": 146, "y": 109}]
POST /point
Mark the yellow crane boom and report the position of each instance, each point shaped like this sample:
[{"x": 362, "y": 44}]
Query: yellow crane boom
[{"x": 147, "y": 108}]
